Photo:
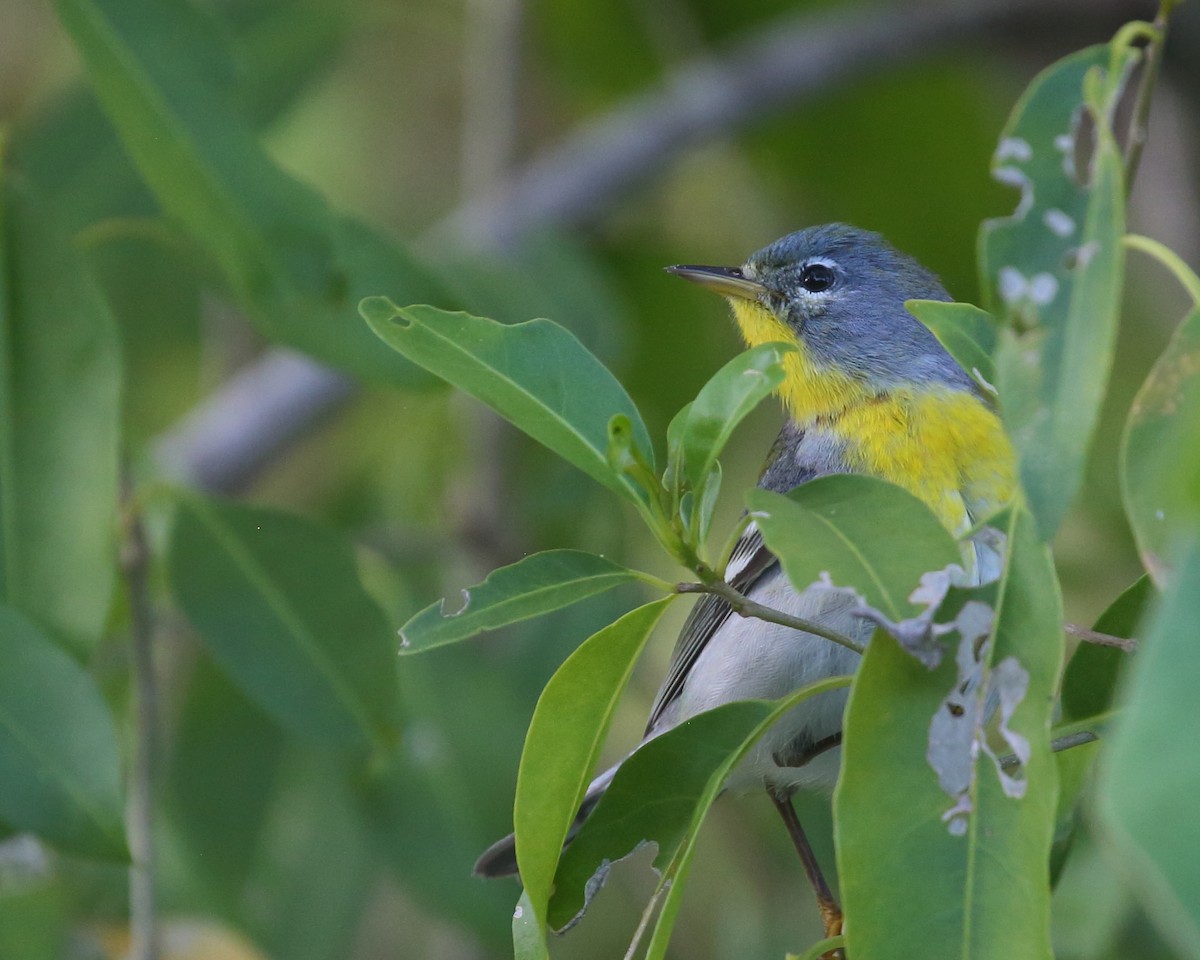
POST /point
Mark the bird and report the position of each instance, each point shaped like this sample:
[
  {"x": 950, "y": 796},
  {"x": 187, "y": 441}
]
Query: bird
[{"x": 868, "y": 389}]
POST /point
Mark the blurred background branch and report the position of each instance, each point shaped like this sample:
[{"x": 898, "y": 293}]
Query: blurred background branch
[{"x": 246, "y": 422}]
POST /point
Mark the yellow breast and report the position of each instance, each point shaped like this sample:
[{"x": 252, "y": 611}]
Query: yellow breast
[{"x": 944, "y": 446}]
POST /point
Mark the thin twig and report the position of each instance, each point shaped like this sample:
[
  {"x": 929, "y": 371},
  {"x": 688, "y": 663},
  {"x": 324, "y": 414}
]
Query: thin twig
[
  {"x": 1139, "y": 129},
  {"x": 745, "y": 607},
  {"x": 1099, "y": 639},
  {"x": 1056, "y": 746},
  {"x": 135, "y": 560}
]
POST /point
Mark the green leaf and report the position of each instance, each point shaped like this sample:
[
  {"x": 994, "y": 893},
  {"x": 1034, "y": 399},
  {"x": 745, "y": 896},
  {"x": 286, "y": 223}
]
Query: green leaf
[
  {"x": 171, "y": 89},
  {"x": 722, "y": 403},
  {"x": 652, "y": 799},
  {"x": 865, "y": 533},
  {"x": 222, "y": 776},
  {"x": 967, "y": 333},
  {"x": 278, "y": 602},
  {"x": 1158, "y": 446},
  {"x": 1087, "y": 700},
  {"x": 563, "y": 743},
  {"x": 528, "y": 588},
  {"x": 1054, "y": 271},
  {"x": 676, "y": 874},
  {"x": 1091, "y": 674},
  {"x": 1146, "y": 796},
  {"x": 60, "y": 771},
  {"x": 535, "y": 374},
  {"x": 60, "y": 382},
  {"x": 984, "y": 885}
]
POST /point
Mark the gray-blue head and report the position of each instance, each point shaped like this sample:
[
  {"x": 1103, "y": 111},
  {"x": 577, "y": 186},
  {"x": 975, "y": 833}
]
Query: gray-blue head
[{"x": 840, "y": 292}]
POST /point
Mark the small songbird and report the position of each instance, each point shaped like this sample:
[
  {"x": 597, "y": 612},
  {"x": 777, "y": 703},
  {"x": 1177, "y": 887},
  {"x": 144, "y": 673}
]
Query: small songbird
[{"x": 868, "y": 390}]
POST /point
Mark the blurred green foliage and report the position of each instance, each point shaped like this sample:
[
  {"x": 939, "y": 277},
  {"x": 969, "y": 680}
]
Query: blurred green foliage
[{"x": 303, "y": 155}]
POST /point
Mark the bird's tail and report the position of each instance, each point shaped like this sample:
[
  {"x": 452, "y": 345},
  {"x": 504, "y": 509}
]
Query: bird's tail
[{"x": 500, "y": 859}]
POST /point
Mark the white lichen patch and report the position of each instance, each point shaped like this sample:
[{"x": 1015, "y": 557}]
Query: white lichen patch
[
  {"x": 1016, "y": 288},
  {"x": 1058, "y": 222},
  {"x": 1013, "y": 285},
  {"x": 1083, "y": 255},
  {"x": 1043, "y": 288},
  {"x": 1014, "y": 148},
  {"x": 1010, "y": 683},
  {"x": 1064, "y": 143}
]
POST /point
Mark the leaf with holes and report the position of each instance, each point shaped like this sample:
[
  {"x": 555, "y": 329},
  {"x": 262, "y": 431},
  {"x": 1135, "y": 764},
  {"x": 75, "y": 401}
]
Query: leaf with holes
[
  {"x": 1052, "y": 271},
  {"x": 528, "y": 588},
  {"x": 983, "y": 840}
]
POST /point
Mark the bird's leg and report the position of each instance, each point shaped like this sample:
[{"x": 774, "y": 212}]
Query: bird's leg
[
  {"x": 831, "y": 913},
  {"x": 799, "y": 758}
]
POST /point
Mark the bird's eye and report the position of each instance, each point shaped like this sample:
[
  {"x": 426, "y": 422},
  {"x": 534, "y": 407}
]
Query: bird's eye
[{"x": 816, "y": 277}]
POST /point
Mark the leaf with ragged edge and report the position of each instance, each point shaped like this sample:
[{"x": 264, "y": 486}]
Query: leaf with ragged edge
[
  {"x": 1053, "y": 272},
  {"x": 528, "y": 588},
  {"x": 535, "y": 374},
  {"x": 992, "y": 868},
  {"x": 661, "y": 794},
  {"x": 864, "y": 533},
  {"x": 1147, "y": 793},
  {"x": 676, "y": 874},
  {"x": 563, "y": 743},
  {"x": 967, "y": 332},
  {"x": 170, "y": 87},
  {"x": 722, "y": 403},
  {"x": 278, "y": 601},
  {"x": 652, "y": 799},
  {"x": 60, "y": 769},
  {"x": 60, "y": 385},
  {"x": 1159, "y": 442}
]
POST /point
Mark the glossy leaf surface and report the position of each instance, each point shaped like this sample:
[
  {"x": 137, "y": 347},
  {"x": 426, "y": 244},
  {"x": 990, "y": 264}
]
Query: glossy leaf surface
[
  {"x": 530, "y": 587},
  {"x": 864, "y": 533},
  {"x": 564, "y": 740},
  {"x": 982, "y": 858},
  {"x": 535, "y": 374}
]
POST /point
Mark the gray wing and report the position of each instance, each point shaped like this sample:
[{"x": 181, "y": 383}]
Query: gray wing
[{"x": 749, "y": 561}]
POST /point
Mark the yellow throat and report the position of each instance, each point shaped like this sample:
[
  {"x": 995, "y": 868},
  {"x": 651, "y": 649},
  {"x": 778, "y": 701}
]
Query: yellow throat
[{"x": 942, "y": 445}]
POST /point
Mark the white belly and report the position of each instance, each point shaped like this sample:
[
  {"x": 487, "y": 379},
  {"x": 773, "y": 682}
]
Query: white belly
[{"x": 749, "y": 659}]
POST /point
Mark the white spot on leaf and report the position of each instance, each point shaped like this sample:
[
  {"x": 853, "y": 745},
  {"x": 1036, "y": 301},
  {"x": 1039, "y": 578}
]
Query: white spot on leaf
[
  {"x": 1013, "y": 285},
  {"x": 1043, "y": 287},
  {"x": 1059, "y": 223},
  {"x": 1013, "y": 148}
]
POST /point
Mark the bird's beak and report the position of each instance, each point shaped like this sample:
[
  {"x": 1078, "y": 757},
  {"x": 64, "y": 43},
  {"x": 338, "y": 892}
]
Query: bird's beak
[{"x": 727, "y": 281}]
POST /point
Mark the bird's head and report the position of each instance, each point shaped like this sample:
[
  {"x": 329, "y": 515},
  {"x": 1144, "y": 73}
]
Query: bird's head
[{"x": 838, "y": 294}]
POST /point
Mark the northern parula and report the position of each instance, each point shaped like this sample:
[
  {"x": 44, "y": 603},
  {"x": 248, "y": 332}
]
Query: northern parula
[{"x": 868, "y": 390}]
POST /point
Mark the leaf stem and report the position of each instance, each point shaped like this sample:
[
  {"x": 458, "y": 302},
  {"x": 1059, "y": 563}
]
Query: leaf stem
[
  {"x": 135, "y": 561},
  {"x": 1169, "y": 259},
  {"x": 1138, "y": 122},
  {"x": 1099, "y": 639},
  {"x": 820, "y": 948},
  {"x": 745, "y": 607}
]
